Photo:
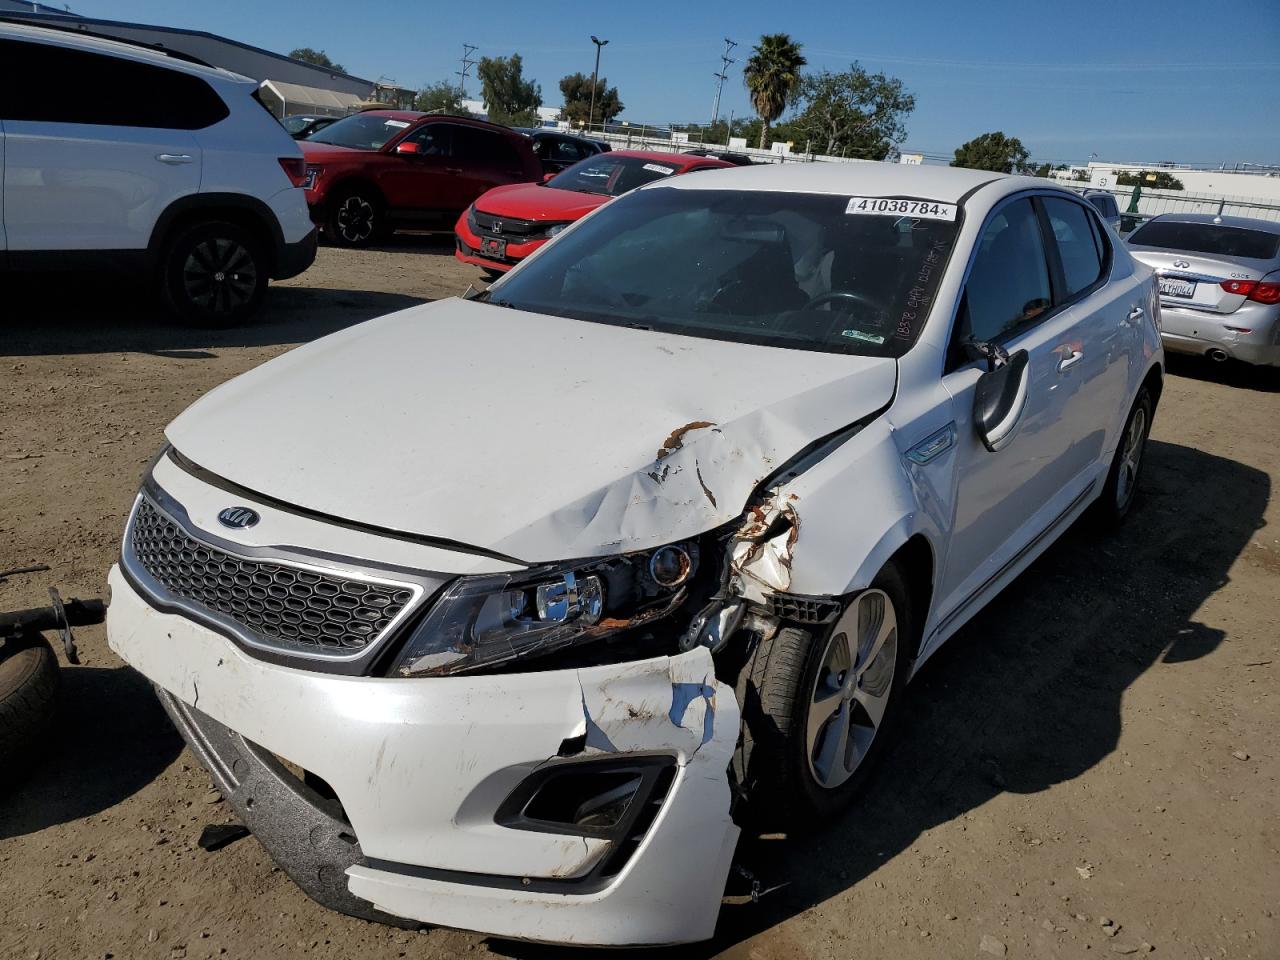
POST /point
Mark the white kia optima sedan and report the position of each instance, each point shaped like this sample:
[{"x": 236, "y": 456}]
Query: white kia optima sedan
[{"x": 503, "y": 612}]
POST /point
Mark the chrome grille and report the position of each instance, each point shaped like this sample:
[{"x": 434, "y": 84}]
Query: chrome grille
[{"x": 300, "y": 609}]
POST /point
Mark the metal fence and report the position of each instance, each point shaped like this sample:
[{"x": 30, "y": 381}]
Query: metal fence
[{"x": 1153, "y": 202}]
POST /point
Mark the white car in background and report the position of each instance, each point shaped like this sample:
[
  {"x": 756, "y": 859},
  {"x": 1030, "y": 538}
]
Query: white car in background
[
  {"x": 120, "y": 158},
  {"x": 503, "y": 613}
]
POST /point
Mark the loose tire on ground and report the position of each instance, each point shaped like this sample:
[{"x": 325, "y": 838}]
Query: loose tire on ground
[
  {"x": 28, "y": 698},
  {"x": 774, "y": 689},
  {"x": 214, "y": 274}
]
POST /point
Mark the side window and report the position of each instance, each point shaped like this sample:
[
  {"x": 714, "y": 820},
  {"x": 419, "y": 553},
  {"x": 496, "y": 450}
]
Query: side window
[
  {"x": 566, "y": 152},
  {"x": 1074, "y": 238},
  {"x": 1009, "y": 282},
  {"x": 120, "y": 92},
  {"x": 432, "y": 139},
  {"x": 484, "y": 148}
]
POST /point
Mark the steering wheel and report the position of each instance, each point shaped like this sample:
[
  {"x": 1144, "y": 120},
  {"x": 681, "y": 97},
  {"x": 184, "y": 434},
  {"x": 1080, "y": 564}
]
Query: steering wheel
[
  {"x": 705, "y": 304},
  {"x": 848, "y": 297},
  {"x": 834, "y": 296}
]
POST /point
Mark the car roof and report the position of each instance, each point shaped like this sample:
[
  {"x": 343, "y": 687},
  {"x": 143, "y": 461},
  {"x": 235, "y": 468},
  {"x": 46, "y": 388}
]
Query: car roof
[
  {"x": 95, "y": 43},
  {"x": 676, "y": 159},
  {"x": 946, "y": 184},
  {"x": 1249, "y": 223}
]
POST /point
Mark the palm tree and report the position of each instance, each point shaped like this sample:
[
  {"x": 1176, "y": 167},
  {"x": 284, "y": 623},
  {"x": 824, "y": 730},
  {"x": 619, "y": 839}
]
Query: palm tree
[{"x": 772, "y": 76}]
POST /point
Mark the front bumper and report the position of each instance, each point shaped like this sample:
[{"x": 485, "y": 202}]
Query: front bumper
[
  {"x": 420, "y": 766},
  {"x": 1199, "y": 331},
  {"x": 467, "y": 245}
]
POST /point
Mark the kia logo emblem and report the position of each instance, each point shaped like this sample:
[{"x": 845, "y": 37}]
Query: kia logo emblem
[{"x": 238, "y": 517}]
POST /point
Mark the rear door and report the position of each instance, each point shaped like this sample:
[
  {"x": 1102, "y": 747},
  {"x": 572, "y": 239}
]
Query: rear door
[
  {"x": 486, "y": 159},
  {"x": 100, "y": 147},
  {"x": 1005, "y": 500}
]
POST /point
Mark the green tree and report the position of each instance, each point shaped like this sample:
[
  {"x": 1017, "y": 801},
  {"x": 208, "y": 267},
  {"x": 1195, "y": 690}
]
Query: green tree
[
  {"x": 1150, "y": 179},
  {"x": 318, "y": 57},
  {"x": 442, "y": 97},
  {"x": 508, "y": 96},
  {"x": 772, "y": 78},
  {"x": 576, "y": 89},
  {"x": 992, "y": 151},
  {"x": 853, "y": 114}
]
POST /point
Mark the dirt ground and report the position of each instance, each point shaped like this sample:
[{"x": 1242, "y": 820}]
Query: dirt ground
[{"x": 1100, "y": 743}]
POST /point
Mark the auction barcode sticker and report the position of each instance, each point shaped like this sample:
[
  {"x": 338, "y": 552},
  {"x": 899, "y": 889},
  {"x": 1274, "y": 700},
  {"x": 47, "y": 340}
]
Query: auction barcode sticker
[
  {"x": 899, "y": 207},
  {"x": 659, "y": 168}
]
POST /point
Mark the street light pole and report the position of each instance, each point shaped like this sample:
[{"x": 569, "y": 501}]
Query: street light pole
[{"x": 594, "y": 79}]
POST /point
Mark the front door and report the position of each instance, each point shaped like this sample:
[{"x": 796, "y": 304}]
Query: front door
[{"x": 1005, "y": 500}]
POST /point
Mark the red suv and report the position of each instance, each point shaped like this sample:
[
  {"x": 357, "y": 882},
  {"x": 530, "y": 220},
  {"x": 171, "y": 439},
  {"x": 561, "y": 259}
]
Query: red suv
[{"x": 373, "y": 172}]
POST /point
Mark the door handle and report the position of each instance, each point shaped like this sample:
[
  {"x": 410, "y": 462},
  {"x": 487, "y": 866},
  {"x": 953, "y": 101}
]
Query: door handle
[
  {"x": 174, "y": 158},
  {"x": 1136, "y": 313},
  {"x": 1070, "y": 360}
]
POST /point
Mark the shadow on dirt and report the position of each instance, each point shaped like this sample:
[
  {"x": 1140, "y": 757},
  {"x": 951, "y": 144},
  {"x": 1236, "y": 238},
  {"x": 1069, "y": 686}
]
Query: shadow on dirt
[
  {"x": 103, "y": 316},
  {"x": 111, "y": 739},
  {"x": 1229, "y": 373},
  {"x": 1028, "y": 694}
]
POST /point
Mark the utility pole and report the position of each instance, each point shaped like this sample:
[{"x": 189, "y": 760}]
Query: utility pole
[
  {"x": 467, "y": 63},
  {"x": 725, "y": 61},
  {"x": 594, "y": 79}
]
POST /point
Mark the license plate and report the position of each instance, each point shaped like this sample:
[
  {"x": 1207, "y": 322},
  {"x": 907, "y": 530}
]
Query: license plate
[
  {"x": 493, "y": 247},
  {"x": 1171, "y": 287}
]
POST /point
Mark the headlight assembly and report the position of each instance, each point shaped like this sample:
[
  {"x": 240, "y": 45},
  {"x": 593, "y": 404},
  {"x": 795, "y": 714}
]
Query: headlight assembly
[
  {"x": 555, "y": 229},
  {"x": 484, "y": 621}
]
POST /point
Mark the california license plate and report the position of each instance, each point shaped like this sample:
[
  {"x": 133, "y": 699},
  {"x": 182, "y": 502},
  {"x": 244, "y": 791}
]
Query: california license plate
[
  {"x": 1172, "y": 287},
  {"x": 493, "y": 247}
]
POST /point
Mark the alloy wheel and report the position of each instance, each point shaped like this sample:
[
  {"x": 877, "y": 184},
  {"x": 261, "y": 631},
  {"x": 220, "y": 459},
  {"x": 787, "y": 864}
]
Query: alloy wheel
[
  {"x": 1131, "y": 458},
  {"x": 355, "y": 219},
  {"x": 851, "y": 690},
  {"x": 219, "y": 275}
]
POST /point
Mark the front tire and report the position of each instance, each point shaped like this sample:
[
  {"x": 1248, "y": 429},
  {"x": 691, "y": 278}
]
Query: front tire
[
  {"x": 356, "y": 219},
  {"x": 818, "y": 707},
  {"x": 214, "y": 275}
]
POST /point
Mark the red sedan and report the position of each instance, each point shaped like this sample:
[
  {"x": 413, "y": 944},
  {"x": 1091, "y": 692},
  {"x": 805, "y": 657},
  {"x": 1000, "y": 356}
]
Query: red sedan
[{"x": 508, "y": 223}]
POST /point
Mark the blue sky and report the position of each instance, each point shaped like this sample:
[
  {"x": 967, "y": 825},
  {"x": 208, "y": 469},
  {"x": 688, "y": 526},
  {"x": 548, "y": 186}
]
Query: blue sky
[{"x": 1175, "y": 80}]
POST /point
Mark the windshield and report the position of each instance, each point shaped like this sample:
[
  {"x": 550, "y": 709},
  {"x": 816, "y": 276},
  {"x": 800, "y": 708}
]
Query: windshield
[
  {"x": 1211, "y": 238},
  {"x": 779, "y": 269},
  {"x": 362, "y": 131},
  {"x": 611, "y": 175}
]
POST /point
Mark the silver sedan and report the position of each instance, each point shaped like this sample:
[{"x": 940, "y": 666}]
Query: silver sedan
[{"x": 1219, "y": 284}]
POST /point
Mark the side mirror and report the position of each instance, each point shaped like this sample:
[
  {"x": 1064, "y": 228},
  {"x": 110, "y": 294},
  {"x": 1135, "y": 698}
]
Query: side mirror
[
  {"x": 1000, "y": 399},
  {"x": 546, "y": 177},
  {"x": 408, "y": 148}
]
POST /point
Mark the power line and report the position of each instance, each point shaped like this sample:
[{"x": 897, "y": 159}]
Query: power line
[{"x": 467, "y": 63}]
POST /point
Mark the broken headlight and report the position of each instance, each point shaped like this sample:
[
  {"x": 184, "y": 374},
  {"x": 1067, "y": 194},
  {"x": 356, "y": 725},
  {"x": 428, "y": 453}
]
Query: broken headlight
[{"x": 484, "y": 621}]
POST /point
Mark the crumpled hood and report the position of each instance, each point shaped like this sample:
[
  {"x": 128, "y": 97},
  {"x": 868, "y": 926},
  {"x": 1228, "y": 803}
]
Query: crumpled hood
[
  {"x": 535, "y": 201},
  {"x": 538, "y": 437}
]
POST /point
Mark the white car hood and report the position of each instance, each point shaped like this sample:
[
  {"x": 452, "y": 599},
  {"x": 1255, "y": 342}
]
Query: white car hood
[{"x": 537, "y": 437}]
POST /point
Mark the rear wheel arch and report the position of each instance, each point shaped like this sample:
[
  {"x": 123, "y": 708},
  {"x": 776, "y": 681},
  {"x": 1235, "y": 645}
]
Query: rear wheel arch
[
  {"x": 245, "y": 212},
  {"x": 1154, "y": 382}
]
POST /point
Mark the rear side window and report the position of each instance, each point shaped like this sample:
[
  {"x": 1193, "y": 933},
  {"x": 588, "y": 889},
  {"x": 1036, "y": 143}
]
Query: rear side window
[
  {"x": 1105, "y": 205},
  {"x": 1211, "y": 238},
  {"x": 50, "y": 84},
  {"x": 484, "y": 147},
  {"x": 1008, "y": 285},
  {"x": 1077, "y": 246}
]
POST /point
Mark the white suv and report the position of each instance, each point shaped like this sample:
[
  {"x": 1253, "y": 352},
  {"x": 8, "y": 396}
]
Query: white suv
[{"x": 119, "y": 157}]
